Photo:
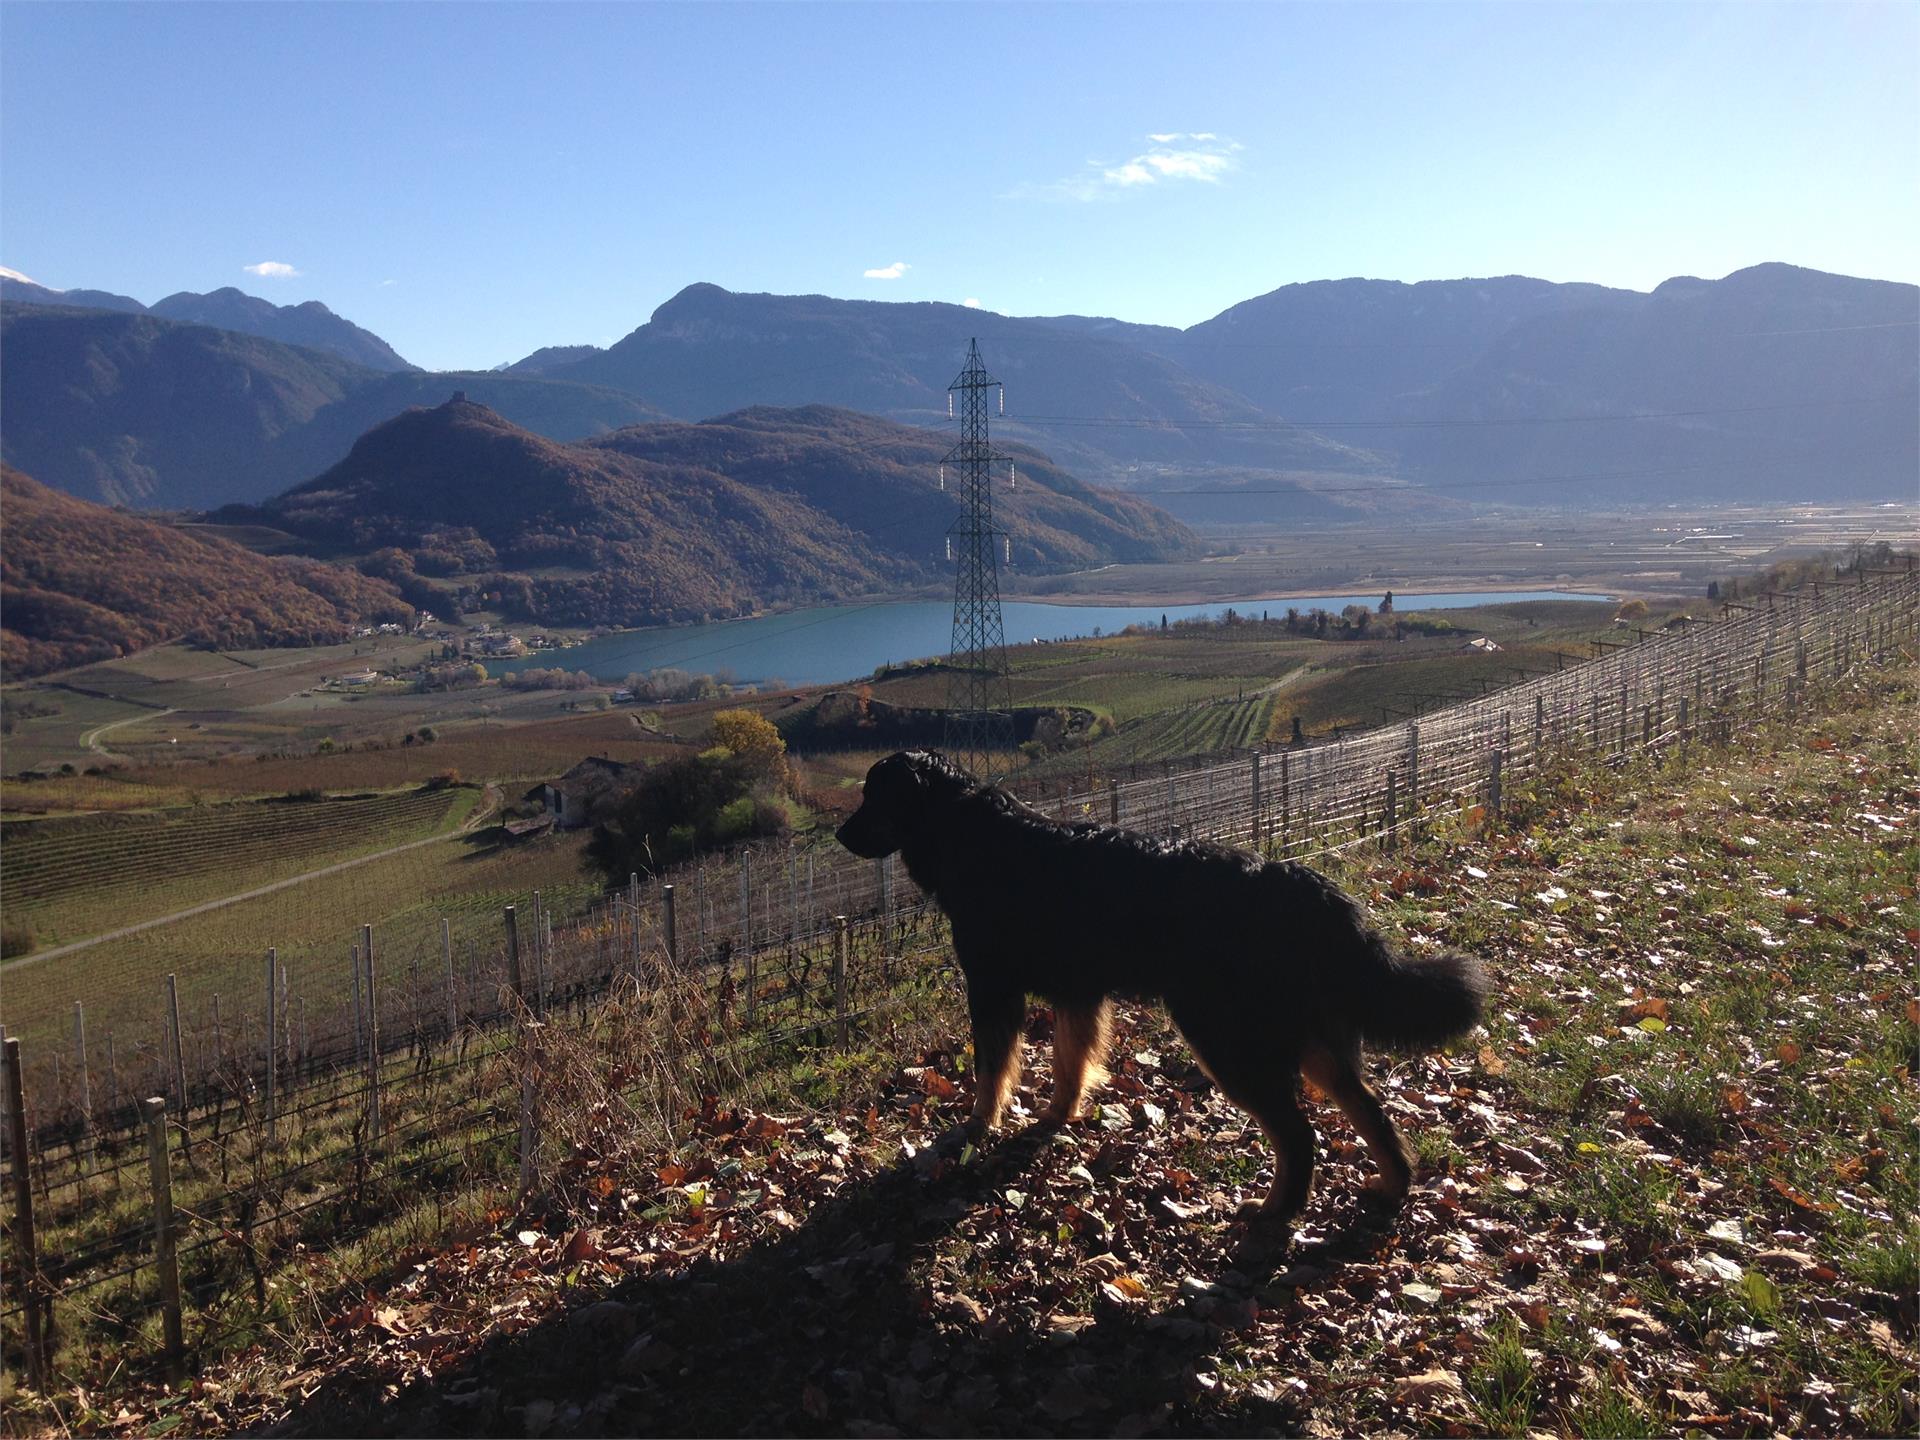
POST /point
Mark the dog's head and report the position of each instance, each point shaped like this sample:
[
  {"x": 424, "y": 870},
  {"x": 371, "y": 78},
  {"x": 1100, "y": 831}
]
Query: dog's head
[{"x": 901, "y": 794}]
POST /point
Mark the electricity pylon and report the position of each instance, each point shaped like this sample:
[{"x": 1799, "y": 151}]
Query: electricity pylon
[{"x": 979, "y": 721}]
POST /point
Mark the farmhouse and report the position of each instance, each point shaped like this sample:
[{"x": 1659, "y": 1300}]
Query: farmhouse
[{"x": 587, "y": 792}]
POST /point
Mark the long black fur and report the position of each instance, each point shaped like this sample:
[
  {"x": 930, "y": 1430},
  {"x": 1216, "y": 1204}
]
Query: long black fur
[{"x": 1267, "y": 967}]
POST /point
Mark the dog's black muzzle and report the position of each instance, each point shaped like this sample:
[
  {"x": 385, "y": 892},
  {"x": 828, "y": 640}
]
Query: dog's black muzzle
[{"x": 867, "y": 835}]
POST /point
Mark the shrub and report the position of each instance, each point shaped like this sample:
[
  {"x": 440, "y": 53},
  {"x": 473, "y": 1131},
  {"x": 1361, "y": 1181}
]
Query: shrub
[
  {"x": 445, "y": 779},
  {"x": 685, "y": 806},
  {"x": 16, "y": 939}
]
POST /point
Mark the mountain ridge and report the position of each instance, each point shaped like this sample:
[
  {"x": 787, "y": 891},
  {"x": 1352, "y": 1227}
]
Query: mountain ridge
[
  {"x": 138, "y": 409},
  {"x": 673, "y": 522},
  {"x": 309, "y": 323}
]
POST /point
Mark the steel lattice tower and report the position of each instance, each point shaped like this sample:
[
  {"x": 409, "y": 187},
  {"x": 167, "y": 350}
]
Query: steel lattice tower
[{"x": 979, "y": 726}]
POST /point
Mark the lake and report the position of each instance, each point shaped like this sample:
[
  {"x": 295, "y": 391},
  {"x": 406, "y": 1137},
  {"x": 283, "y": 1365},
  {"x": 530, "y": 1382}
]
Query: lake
[{"x": 846, "y": 642}]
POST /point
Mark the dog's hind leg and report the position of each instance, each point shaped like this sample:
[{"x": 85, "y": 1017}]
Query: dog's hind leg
[
  {"x": 1080, "y": 1036},
  {"x": 1336, "y": 1070},
  {"x": 998, "y": 1016},
  {"x": 1292, "y": 1140}
]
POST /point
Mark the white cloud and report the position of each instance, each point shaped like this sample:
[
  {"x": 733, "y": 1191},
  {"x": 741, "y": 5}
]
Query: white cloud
[
  {"x": 1174, "y": 155},
  {"x": 271, "y": 270},
  {"x": 971, "y": 303},
  {"x": 888, "y": 272},
  {"x": 385, "y": 283}
]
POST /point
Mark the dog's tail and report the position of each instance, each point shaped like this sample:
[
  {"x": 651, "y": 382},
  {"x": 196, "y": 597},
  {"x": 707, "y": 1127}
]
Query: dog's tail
[
  {"x": 1419, "y": 1001},
  {"x": 1412, "y": 1002}
]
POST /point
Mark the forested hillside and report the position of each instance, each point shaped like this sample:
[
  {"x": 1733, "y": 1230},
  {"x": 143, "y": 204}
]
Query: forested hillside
[
  {"x": 80, "y": 583},
  {"x": 671, "y": 523}
]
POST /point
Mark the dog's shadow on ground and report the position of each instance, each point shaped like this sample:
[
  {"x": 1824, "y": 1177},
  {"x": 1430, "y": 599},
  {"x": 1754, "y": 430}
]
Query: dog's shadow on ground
[{"x": 837, "y": 1328}]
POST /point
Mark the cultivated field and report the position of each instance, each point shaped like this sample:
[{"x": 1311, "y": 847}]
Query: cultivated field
[
  {"x": 81, "y": 876},
  {"x": 466, "y": 878}
]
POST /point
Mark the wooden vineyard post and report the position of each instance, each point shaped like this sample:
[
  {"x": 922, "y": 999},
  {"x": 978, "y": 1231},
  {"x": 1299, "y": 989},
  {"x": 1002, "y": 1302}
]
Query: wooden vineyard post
[
  {"x": 1413, "y": 766},
  {"x": 1113, "y": 803},
  {"x": 359, "y": 1011},
  {"x": 416, "y": 1033},
  {"x": 179, "y": 1064},
  {"x": 446, "y": 959},
  {"x": 1286, "y": 800},
  {"x": 530, "y": 1059},
  {"x": 154, "y": 1108},
  {"x": 273, "y": 1037},
  {"x": 373, "y": 1038},
  {"x": 26, "y": 1255},
  {"x": 746, "y": 902},
  {"x": 840, "y": 981},
  {"x": 667, "y": 921},
  {"x": 633, "y": 921},
  {"x": 86, "y": 1084},
  {"x": 1253, "y": 817},
  {"x": 1493, "y": 782},
  {"x": 514, "y": 978},
  {"x": 1393, "y": 822}
]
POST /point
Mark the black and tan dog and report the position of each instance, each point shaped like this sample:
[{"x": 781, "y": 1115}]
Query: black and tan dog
[{"x": 1267, "y": 968}]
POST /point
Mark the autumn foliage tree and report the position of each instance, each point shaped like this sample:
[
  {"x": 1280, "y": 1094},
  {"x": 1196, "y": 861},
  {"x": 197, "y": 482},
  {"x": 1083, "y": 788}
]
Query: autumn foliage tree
[{"x": 753, "y": 738}]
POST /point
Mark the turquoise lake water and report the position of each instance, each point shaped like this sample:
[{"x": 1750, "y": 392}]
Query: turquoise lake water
[{"x": 846, "y": 642}]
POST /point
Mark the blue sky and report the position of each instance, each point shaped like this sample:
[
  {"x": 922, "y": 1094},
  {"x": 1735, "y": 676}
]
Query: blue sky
[{"x": 474, "y": 181}]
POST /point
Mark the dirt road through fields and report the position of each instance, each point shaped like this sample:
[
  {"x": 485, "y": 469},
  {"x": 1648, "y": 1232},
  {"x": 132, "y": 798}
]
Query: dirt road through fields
[{"x": 91, "y": 740}]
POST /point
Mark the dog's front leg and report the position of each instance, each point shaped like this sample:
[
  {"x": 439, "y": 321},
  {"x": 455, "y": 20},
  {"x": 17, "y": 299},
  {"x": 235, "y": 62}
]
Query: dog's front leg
[
  {"x": 1079, "y": 1045},
  {"x": 998, "y": 1016}
]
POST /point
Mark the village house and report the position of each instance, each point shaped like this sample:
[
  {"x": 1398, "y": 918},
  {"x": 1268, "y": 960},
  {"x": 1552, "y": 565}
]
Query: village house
[{"x": 587, "y": 793}]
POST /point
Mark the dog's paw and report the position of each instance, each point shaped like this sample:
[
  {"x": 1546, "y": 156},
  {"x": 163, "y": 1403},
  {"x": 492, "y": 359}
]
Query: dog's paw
[
  {"x": 1383, "y": 1195},
  {"x": 975, "y": 1128},
  {"x": 1262, "y": 1213},
  {"x": 954, "y": 1141},
  {"x": 1053, "y": 1118}
]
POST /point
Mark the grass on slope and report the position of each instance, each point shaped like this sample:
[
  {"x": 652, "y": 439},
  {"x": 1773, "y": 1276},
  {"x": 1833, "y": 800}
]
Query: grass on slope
[{"x": 1671, "y": 1187}]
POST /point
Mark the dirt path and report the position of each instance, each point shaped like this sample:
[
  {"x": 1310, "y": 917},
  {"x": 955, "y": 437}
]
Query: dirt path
[
  {"x": 490, "y": 801},
  {"x": 90, "y": 740}
]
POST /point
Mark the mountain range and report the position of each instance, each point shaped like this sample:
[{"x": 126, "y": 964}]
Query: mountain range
[
  {"x": 674, "y": 522},
  {"x": 308, "y": 324},
  {"x": 133, "y": 409},
  {"x": 1313, "y": 401}
]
